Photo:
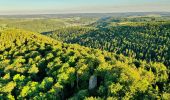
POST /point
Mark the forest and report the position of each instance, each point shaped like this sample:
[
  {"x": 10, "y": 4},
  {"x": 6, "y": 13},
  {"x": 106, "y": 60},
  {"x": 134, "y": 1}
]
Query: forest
[{"x": 85, "y": 58}]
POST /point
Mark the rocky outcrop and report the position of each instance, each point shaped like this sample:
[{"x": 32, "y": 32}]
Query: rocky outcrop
[{"x": 92, "y": 82}]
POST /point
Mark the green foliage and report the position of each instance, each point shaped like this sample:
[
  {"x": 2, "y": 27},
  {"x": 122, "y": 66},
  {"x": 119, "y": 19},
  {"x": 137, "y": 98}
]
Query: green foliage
[
  {"x": 30, "y": 90},
  {"x": 33, "y": 69},
  {"x": 47, "y": 83},
  {"x": 148, "y": 42},
  {"x": 36, "y": 67},
  {"x": 69, "y": 33},
  {"x": 8, "y": 87},
  {"x": 42, "y": 25}
]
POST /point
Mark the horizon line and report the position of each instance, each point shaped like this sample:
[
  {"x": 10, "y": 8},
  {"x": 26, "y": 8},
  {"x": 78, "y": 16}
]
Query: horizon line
[{"x": 65, "y": 13}]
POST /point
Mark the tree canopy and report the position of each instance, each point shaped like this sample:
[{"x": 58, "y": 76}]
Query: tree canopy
[{"x": 33, "y": 66}]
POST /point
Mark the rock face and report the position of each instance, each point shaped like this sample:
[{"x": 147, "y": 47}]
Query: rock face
[
  {"x": 72, "y": 84},
  {"x": 92, "y": 82}
]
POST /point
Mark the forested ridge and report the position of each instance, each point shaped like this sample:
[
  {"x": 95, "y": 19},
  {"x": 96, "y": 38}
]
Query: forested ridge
[
  {"x": 148, "y": 41},
  {"x": 69, "y": 33},
  {"x": 44, "y": 24},
  {"x": 33, "y": 66}
]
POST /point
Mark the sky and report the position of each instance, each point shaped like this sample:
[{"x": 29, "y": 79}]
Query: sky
[{"x": 82, "y": 6}]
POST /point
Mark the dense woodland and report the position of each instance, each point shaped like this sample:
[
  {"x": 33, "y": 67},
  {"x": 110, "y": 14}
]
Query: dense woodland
[
  {"x": 69, "y": 33},
  {"x": 148, "y": 42},
  {"x": 143, "y": 40},
  {"x": 111, "y": 59}
]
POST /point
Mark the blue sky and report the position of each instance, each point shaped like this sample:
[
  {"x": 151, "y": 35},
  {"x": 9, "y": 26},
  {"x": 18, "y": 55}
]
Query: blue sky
[{"x": 81, "y": 6}]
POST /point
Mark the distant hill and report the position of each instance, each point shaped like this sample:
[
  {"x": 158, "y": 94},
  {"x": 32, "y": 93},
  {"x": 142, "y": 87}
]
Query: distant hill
[
  {"x": 87, "y": 15},
  {"x": 44, "y": 24}
]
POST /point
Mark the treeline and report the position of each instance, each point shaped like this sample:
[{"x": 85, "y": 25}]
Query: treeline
[
  {"x": 36, "y": 67},
  {"x": 69, "y": 33},
  {"x": 107, "y": 21}
]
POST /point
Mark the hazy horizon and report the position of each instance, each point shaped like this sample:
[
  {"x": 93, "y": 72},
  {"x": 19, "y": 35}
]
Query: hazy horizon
[{"x": 80, "y": 6}]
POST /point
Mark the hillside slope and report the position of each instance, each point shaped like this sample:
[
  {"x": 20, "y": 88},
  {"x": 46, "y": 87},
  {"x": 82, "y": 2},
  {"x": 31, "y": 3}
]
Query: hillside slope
[
  {"x": 69, "y": 33},
  {"x": 33, "y": 66},
  {"x": 44, "y": 24},
  {"x": 142, "y": 40}
]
